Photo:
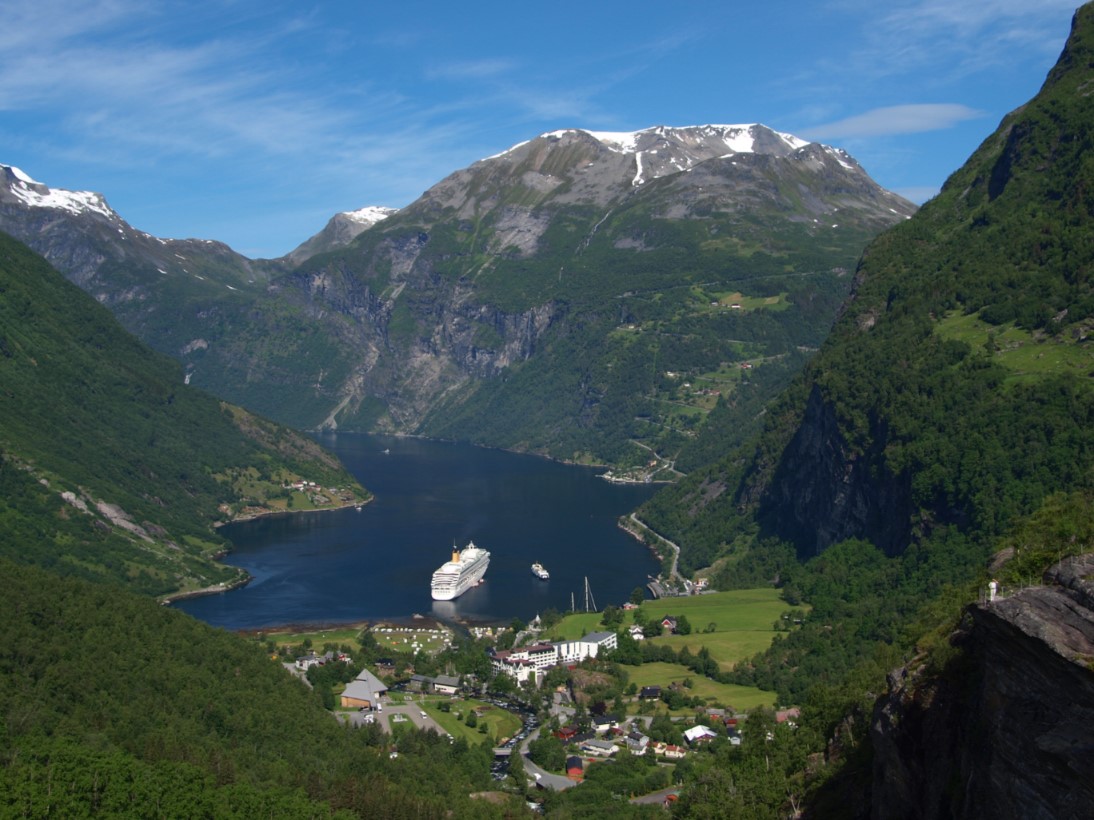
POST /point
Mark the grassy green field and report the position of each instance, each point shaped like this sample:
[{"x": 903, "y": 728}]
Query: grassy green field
[
  {"x": 387, "y": 636},
  {"x": 737, "y": 610},
  {"x": 576, "y": 624},
  {"x": 741, "y": 623},
  {"x": 500, "y": 723},
  {"x": 727, "y": 695},
  {"x": 338, "y": 635},
  {"x": 742, "y": 620},
  {"x": 1017, "y": 349},
  {"x": 726, "y": 300},
  {"x": 725, "y": 647}
]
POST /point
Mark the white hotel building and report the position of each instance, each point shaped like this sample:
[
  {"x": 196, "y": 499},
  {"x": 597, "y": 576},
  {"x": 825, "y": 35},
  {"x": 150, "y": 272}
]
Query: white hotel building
[{"x": 527, "y": 662}]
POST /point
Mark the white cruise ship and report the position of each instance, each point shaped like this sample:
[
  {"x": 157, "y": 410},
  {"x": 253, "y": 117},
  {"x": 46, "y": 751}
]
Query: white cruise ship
[{"x": 455, "y": 577}]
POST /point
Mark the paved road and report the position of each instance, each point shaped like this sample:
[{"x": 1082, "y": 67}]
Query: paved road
[
  {"x": 656, "y": 797},
  {"x": 673, "y": 574},
  {"x": 545, "y": 779}
]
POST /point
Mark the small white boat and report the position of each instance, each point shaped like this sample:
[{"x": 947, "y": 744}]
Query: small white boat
[{"x": 539, "y": 571}]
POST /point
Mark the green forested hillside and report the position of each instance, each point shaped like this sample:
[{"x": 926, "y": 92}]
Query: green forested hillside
[
  {"x": 949, "y": 414},
  {"x": 955, "y": 392},
  {"x": 112, "y": 468},
  {"x": 116, "y": 706}
]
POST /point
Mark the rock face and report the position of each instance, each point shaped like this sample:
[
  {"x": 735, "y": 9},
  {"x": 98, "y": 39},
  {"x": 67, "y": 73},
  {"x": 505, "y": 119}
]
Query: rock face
[
  {"x": 492, "y": 307},
  {"x": 1006, "y": 729},
  {"x": 823, "y": 492}
]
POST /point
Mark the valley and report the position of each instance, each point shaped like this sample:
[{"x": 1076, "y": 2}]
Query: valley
[{"x": 863, "y": 430}]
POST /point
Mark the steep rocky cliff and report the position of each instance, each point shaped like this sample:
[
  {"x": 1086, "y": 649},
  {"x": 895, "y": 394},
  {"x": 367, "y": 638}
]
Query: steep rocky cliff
[
  {"x": 1005, "y": 730},
  {"x": 834, "y": 493}
]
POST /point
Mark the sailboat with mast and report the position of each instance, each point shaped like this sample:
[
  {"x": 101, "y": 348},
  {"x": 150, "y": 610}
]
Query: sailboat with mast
[{"x": 590, "y": 602}]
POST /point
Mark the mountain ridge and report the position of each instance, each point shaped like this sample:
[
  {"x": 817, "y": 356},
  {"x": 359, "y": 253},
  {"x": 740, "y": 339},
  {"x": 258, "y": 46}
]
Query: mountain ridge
[
  {"x": 108, "y": 461},
  {"x": 417, "y": 322},
  {"x": 688, "y": 142}
]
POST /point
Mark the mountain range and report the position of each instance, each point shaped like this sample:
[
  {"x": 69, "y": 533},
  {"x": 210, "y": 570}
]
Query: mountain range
[{"x": 511, "y": 302}]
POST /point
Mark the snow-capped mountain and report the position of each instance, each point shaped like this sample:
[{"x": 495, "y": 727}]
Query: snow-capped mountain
[
  {"x": 88, "y": 241},
  {"x": 34, "y": 194},
  {"x": 342, "y": 229},
  {"x": 469, "y": 299},
  {"x": 722, "y": 168},
  {"x": 663, "y": 150},
  {"x": 491, "y": 308}
]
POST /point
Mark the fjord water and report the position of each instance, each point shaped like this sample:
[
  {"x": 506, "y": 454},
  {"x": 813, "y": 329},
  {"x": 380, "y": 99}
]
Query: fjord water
[{"x": 349, "y": 565}]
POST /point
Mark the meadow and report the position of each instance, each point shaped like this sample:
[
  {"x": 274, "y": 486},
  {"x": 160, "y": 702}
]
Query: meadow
[
  {"x": 1027, "y": 356},
  {"x": 500, "y": 723},
  {"x": 727, "y": 695},
  {"x": 732, "y": 625},
  {"x": 388, "y": 636}
]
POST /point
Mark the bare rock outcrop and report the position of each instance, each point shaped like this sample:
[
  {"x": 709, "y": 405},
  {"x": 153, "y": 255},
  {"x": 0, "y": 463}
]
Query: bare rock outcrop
[{"x": 1006, "y": 729}]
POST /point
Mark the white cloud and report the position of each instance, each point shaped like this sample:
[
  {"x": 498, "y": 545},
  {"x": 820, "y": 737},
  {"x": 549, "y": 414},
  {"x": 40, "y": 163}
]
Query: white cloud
[
  {"x": 122, "y": 93},
  {"x": 967, "y": 37},
  {"x": 895, "y": 119}
]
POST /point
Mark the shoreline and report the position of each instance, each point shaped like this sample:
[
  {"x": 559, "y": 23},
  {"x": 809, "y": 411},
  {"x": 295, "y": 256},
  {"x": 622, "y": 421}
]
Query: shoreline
[
  {"x": 633, "y": 481},
  {"x": 416, "y": 619},
  {"x": 265, "y": 513},
  {"x": 569, "y": 462},
  {"x": 174, "y": 597}
]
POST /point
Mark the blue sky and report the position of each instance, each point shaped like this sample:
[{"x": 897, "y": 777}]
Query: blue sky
[{"x": 254, "y": 122}]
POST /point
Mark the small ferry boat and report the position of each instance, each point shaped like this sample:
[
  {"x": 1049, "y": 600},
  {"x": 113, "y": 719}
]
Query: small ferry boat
[{"x": 539, "y": 571}]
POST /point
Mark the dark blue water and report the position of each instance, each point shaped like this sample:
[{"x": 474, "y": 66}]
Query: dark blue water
[{"x": 348, "y": 565}]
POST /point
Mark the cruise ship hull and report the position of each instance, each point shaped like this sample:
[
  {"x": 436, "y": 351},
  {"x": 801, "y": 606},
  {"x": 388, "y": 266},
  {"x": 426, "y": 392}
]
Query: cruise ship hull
[{"x": 455, "y": 577}]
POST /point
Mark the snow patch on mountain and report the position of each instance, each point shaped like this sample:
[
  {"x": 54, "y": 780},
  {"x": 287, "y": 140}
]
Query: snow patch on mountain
[
  {"x": 369, "y": 215},
  {"x": 738, "y": 139},
  {"x": 662, "y": 150},
  {"x": 626, "y": 142},
  {"x": 842, "y": 157},
  {"x": 37, "y": 195},
  {"x": 20, "y": 175}
]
